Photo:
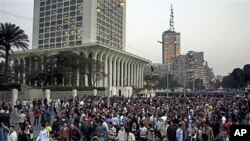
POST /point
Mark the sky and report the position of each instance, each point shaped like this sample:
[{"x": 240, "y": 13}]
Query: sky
[{"x": 219, "y": 28}]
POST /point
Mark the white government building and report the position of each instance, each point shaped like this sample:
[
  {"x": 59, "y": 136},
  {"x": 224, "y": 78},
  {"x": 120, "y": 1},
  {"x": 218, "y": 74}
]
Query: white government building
[{"x": 77, "y": 25}]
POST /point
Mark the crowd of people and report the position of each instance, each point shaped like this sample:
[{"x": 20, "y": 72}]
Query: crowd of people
[{"x": 178, "y": 117}]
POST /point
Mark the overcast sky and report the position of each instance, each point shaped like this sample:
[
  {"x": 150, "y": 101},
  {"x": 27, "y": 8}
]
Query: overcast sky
[{"x": 219, "y": 28}]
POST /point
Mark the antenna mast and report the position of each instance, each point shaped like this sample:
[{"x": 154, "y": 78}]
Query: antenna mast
[{"x": 171, "y": 22}]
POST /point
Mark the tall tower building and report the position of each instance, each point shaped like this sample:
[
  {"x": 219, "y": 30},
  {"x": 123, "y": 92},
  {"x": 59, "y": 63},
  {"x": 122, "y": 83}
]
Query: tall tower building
[
  {"x": 69, "y": 23},
  {"x": 171, "y": 47}
]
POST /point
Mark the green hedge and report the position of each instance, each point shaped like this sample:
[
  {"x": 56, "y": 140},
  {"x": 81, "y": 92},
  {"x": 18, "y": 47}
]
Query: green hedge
[
  {"x": 70, "y": 88},
  {"x": 9, "y": 87}
]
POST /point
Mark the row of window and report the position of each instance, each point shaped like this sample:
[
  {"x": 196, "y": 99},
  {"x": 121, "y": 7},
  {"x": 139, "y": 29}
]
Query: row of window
[
  {"x": 52, "y": 22},
  {"x": 59, "y": 45},
  {"x": 48, "y": 2}
]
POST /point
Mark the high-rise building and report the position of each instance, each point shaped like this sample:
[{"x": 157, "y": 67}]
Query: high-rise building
[
  {"x": 171, "y": 47},
  {"x": 91, "y": 28},
  {"x": 68, "y": 23}
]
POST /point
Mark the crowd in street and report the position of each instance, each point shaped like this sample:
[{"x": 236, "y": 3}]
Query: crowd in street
[{"x": 179, "y": 117}]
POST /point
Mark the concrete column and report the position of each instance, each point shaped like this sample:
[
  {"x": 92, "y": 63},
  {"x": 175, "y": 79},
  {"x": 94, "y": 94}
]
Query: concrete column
[
  {"x": 126, "y": 73},
  {"x": 129, "y": 73},
  {"x": 106, "y": 71},
  {"x": 94, "y": 92},
  {"x": 77, "y": 76},
  {"x": 14, "y": 97},
  {"x": 47, "y": 94},
  {"x": 24, "y": 64},
  {"x": 132, "y": 74},
  {"x": 94, "y": 82},
  {"x": 122, "y": 72},
  {"x": 74, "y": 93},
  {"x": 110, "y": 72},
  {"x": 18, "y": 73},
  {"x": 86, "y": 80},
  {"x": 135, "y": 75},
  {"x": 142, "y": 75},
  {"x": 114, "y": 71},
  {"x": 118, "y": 72},
  {"x": 100, "y": 77}
]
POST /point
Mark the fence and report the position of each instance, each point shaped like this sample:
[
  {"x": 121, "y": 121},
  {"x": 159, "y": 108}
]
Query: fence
[{"x": 39, "y": 93}]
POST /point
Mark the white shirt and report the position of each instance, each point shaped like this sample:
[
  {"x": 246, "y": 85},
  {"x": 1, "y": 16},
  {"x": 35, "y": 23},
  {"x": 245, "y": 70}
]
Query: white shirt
[
  {"x": 43, "y": 135},
  {"x": 12, "y": 136},
  {"x": 22, "y": 118},
  {"x": 223, "y": 119}
]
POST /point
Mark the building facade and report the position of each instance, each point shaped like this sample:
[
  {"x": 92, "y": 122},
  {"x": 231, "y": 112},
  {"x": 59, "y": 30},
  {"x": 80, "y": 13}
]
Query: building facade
[
  {"x": 77, "y": 25},
  {"x": 69, "y": 23},
  {"x": 171, "y": 48}
]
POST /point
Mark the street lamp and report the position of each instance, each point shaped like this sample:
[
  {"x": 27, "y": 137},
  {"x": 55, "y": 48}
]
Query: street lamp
[
  {"x": 110, "y": 10},
  {"x": 168, "y": 63}
]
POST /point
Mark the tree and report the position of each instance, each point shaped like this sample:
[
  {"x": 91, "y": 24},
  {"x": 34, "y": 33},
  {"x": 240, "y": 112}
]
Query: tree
[
  {"x": 246, "y": 70},
  {"x": 11, "y": 36}
]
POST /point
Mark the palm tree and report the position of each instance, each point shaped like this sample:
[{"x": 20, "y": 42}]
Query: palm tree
[{"x": 11, "y": 36}]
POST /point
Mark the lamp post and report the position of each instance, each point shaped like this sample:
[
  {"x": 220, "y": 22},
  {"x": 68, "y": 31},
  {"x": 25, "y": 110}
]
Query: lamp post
[
  {"x": 168, "y": 63},
  {"x": 110, "y": 10}
]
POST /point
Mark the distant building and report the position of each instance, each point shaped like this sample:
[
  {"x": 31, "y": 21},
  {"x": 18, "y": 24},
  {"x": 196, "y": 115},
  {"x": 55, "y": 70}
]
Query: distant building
[
  {"x": 171, "y": 44},
  {"x": 219, "y": 77},
  {"x": 158, "y": 69}
]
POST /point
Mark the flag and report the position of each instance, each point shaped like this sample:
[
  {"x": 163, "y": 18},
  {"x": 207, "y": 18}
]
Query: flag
[{"x": 152, "y": 68}]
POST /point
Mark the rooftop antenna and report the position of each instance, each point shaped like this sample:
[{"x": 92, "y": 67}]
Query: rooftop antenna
[{"x": 171, "y": 21}]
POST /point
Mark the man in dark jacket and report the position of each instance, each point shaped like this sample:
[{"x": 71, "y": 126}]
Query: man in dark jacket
[{"x": 171, "y": 132}]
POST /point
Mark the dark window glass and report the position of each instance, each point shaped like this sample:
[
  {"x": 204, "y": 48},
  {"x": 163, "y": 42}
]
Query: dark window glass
[
  {"x": 47, "y": 7},
  {"x": 42, "y": 3},
  {"x": 40, "y": 30},
  {"x": 66, "y": 3},
  {"x": 65, "y": 26},
  {"x": 53, "y": 6},
  {"x": 79, "y": 1},
  {"x": 46, "y": 35},
  {"x": 66, "y": 9},
  {"x": 78, "y": 24},
  {"x": 59, "y": 16},
  {"x": 59, "y": 4},
  {"x": 73, "y": 2},
  {"x": 53, "y": 23},
  {"x": 78, "y": 42},
  {"x": 59, "y": 10},
  {"x": 58, "y": 39},
  {"x": 60, "y": 0},
  {"x": 47, "y": 13},
  {"x": 53, "y": 1},
  {"x": 53, "y": 28},
  {"x": 40, "y": 46},
  {"x": 59, "y": 22},
  {"x": 52, "y": 40},
  {"x": 41, "y": 19},
  {"x": 71, "y": 43},
  {"x": 42, "y": 9},
  {"x": 72, "y": 13},
  {"x": 79, "y": 18},
  {"x": 52, "y": 45},
  {"x": 58, "y": 45},
  {"x": 58, "y": 33},
  {"x": 71, "y": 37},
  {"x": 47, "y": 24},
  {"x": 47, "y": 19},
  {"x": 52, "y": 34},
  {"x": 48, "y": 1},
  {"x": 41, "y": 14},
  {"x": 40, "y": 41},
  {"x": 72, "y": 8}
]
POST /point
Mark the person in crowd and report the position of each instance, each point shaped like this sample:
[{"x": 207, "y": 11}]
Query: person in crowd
[
  {"x": 12, "y": 134},
  {"x": 64, "y": 132},
  {"x": 22, "y": 136},
  {"x": 130, "y": 135},
  {"x": 43, "y": 134},
  {"x": 36, "y": 113},
  {"x": 74, "y": 133},
  {"x": 111, "y": 132}
]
